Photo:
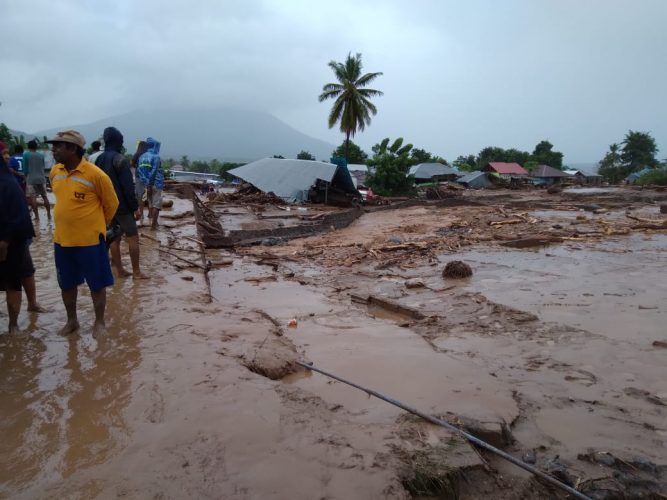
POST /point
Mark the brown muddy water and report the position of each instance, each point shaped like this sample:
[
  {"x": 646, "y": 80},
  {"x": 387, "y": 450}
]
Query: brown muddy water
[{"x": 163, "y": 407}]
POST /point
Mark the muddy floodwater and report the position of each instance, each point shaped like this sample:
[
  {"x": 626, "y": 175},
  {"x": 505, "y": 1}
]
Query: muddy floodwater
[{"x": 555, "y": 353}]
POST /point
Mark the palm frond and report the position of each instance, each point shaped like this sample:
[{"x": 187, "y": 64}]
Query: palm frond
[{"x": 366, "y": 79}]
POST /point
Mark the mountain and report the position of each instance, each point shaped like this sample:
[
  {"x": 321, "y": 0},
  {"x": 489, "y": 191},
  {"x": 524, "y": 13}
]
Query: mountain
[{"x": 228, "y": 134}]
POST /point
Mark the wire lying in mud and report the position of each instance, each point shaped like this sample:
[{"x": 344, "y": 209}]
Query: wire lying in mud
[{"x": 482, "y": 444}]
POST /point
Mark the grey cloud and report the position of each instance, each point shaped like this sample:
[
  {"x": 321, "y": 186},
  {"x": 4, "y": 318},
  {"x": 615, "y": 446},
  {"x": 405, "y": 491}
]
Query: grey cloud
[{"x": 458, "y": 76}]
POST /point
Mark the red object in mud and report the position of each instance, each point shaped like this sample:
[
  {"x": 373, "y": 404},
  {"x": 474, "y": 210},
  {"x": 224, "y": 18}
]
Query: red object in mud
[
  {"x": 366, "y": 193},
  {"x": 292, "y": 323}
]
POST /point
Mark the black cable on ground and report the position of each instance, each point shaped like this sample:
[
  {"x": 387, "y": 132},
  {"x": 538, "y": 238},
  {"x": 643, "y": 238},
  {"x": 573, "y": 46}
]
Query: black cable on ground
[{"x": 482, "y": 444}]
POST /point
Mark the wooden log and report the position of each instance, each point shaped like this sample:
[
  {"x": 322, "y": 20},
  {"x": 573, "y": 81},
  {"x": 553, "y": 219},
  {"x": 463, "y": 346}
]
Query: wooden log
[{"x": 194, "y": 264}]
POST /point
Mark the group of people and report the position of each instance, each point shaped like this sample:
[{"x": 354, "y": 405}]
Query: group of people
[{"x": 97, "y": 200}]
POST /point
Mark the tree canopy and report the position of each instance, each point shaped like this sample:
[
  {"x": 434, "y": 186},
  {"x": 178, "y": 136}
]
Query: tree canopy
[
  {"x": 388, "y": 168},
  {"x": 354, "y": 153},
  {"x": 352, "y": 107},
  {"x": 637, "y": 151},
  {"x": 304, "y": 155},
  {"x": 543, "y": 154}
]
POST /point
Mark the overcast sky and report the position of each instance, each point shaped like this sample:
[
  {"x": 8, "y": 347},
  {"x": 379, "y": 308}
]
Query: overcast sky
[{"x": 458, "y": 75}]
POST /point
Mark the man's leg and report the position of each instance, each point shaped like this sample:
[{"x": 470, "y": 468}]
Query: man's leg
[
  {"x": 156, "y": 213},
  {"x": 116, "y": 260},
  {"x": 32, "y": 202},
  {"x": 69, "y": 299},
  {"x": 133, "y": 245},
  {"x": 99, "y": 304},
  {"x": 47, "y": 205},
  {"x": 31, "y": 293},
  {"x": 13, "y": 308}
]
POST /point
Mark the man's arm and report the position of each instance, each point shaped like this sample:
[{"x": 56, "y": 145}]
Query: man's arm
[
  {"x": 108, "y": 197},
  {"x": 127, "y": 185}
]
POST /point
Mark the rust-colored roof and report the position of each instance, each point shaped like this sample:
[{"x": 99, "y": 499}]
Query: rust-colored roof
[{"x": 506, "y": 168}]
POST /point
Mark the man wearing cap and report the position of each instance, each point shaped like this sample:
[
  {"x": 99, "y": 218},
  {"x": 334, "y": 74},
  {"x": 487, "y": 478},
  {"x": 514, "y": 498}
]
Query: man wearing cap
[{"x": 85, "y": 204}]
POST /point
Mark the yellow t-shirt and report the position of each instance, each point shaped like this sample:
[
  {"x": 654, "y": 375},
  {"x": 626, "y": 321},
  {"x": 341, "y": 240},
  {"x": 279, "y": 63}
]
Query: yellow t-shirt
[{"x": 85, "y": 203}]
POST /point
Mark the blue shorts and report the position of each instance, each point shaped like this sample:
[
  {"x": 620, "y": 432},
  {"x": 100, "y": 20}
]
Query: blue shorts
[{"x": 76, "y": 264}]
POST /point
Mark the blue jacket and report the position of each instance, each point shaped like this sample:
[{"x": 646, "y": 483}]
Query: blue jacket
[
  {"x": 116, "y": 166},
  {"x": 149, "y": 166}
]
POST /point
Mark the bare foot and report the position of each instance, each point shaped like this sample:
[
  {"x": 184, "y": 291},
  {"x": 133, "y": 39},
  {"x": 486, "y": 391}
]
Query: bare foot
[
  {"x": 70, "y": 327},
  {"x": 13, "y": 330},
  {"x": 139, "y": 276},
  {"x": 122, "y": 273},
  {"x": 36, "y": 308},
  {"x": 99, "y": 329}
]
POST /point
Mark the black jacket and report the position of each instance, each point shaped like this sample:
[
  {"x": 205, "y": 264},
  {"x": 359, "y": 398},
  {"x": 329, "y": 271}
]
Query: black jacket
[
  {"x": 117, "y": 167},
  {"x": 15, "y": 224}
]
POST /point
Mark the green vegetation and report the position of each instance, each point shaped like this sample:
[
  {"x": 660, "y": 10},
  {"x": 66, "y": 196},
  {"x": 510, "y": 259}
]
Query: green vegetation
[
  {"x": 214, "y": 166},
  {"x": 354, "y": 153},
  {"x": 11, "y": 140},
  {"x": 638, "y": 151},
  {"x": 543, "y": 154},
  {"x": 304, "y": 155},
  {"x": 389, "y": 167},
  {"x": 352, "y": 106},
  {"x": 657, "y": 176}
]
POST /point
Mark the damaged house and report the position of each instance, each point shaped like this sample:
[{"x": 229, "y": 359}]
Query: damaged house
[{"x": 300, "y": 180}]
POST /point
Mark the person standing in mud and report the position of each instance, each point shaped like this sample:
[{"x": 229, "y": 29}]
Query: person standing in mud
[
  {"x": 85, "y": 204},
  {"x": 117, "y": 167},
  {"x": 34, "y": 164},
  {"x": 150, "y": 177},
  {"x": 15, "y": 232}
]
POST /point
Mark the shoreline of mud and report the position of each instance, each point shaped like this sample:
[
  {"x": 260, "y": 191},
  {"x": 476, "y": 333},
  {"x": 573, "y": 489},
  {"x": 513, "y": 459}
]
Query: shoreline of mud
[{"x": 179, "y": 398}]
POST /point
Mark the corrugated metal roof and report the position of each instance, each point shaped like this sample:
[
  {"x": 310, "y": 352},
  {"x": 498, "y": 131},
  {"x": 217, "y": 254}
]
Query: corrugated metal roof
[
  {"x": 469, "y": 177},
  {"x": 428, "y": 170},
  {"x": 547, "y": 171},
  {"x": 354, "y": 167},
  {"x": 291, "y": 179},
  {"x": 475, "y": 179},
  {"x": 507, "y": 168}
]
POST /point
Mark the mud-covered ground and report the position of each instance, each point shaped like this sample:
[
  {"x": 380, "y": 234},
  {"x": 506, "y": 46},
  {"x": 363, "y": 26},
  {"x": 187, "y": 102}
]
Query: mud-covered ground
[{"x": 554, "y": 352}]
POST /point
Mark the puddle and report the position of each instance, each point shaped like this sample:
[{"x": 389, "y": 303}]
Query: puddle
[{"x": 608, "y": 288}]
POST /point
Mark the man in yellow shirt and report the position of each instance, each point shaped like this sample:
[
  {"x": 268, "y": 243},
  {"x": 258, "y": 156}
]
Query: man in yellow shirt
[{"x": 85, "y": 203}]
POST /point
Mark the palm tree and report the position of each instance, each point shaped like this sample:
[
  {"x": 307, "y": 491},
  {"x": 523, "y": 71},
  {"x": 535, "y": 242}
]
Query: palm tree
[{"x": 352, "y": 106}]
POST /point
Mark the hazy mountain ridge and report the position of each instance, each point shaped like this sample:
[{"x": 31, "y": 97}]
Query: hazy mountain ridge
[{"x": 227, "y": 134}]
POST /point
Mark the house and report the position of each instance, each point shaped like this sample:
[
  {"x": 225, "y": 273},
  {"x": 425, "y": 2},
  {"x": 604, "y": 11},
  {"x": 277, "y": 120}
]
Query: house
[
  {"x": 581, "y": 177},
  {"x": 428, "y": 172},
  {"x": 506, "y": 170},
  {"x": 634, "y": 176},
  {"x": 299, "y": 180},
  {"x": 475, "y": 180},
  {"x": 544, "y": 174}
]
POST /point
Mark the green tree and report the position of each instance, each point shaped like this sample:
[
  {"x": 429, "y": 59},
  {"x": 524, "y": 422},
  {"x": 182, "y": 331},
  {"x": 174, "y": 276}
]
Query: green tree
[
  {"x": 488, "y": 154},
  {"x": 304, "y": 155},
  {"x": 544, "y": 154},
  {"x": 610, "y": 166},
  {"x": 354, "y": 153},
  {"x": 389, "y": 167},
  {"x": 513, "y": 155},
  {"x": 418, "y": 156},
  {"x": 185, "y": 162},
  {"x": 352, "y": 106},
  {"x": 225, "y": 167},
  {"x": 466, "y": 163},
  {"x": 639, "y": 150},
  {"x": 200, "y": 166}
]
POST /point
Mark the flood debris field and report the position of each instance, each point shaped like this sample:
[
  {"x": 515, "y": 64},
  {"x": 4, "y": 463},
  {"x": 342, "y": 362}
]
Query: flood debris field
[{"x": 554, "y": 350}]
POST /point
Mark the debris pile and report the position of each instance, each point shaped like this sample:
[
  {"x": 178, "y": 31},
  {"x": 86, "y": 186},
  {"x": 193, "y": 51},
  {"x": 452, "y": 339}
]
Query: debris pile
[{"x": 246, "y": 193}]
